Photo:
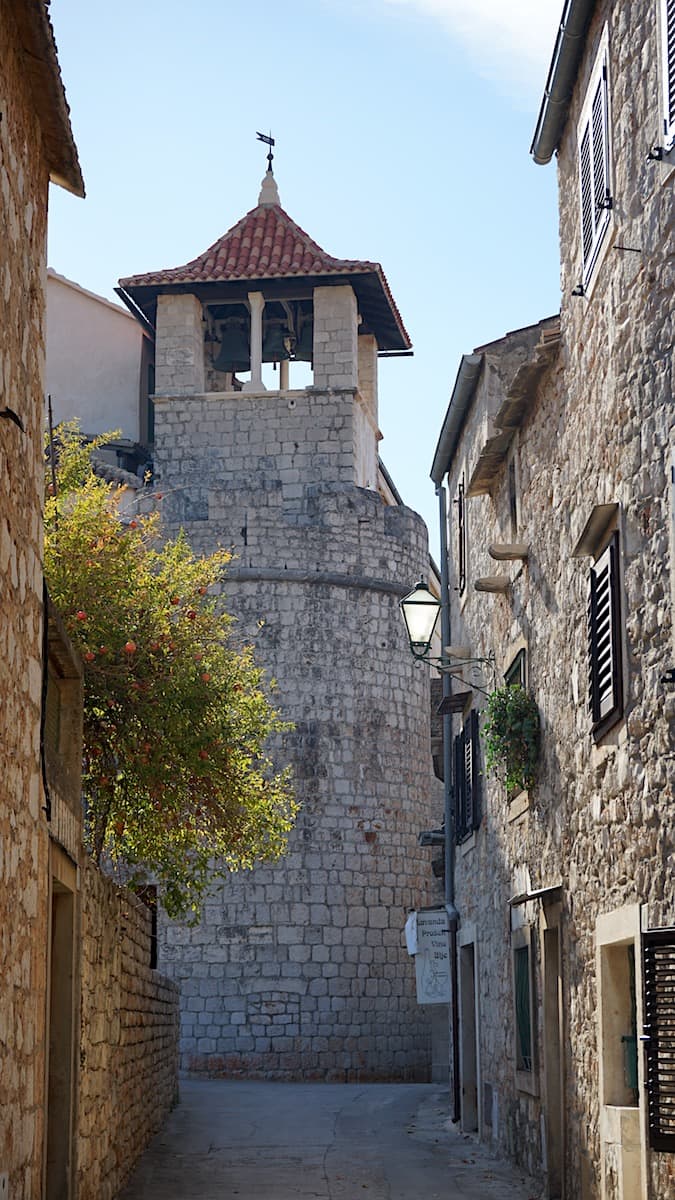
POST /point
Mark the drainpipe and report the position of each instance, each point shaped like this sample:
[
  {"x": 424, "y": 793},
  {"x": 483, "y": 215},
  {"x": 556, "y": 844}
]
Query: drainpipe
[
  {"x": 449, "y": 808},
  {"x": 562, "y": 75}
]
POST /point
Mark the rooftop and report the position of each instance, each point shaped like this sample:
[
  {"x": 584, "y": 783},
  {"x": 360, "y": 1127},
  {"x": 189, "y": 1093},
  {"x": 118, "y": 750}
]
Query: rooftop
[{"x": 266, "y": 245}]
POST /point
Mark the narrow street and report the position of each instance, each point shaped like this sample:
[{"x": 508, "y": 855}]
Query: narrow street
[{"x": 281, "y": 1141}]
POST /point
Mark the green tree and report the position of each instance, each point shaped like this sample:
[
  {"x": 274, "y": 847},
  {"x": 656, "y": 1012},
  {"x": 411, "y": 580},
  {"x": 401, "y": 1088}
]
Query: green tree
[{"x": 178, "y": 783}]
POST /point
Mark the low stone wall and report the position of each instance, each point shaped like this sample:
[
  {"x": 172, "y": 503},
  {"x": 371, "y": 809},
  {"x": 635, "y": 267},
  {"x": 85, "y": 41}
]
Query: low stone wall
[{"x": 128, "y": 1048}]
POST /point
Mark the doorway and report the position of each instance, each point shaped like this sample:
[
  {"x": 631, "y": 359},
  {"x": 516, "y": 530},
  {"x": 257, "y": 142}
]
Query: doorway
[
  {"x": 553, "y": 1069},
  {"x": 468, "y": 1059},
  {"x": 61, "y": 1013}
]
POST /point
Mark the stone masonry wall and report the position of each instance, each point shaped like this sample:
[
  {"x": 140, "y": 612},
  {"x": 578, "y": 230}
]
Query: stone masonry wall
[
  {"x": 299, "y": 970},
  {"x": 335, "y": 337},
  {"x": 599, "y": 430},
  {"x": 23, "y": 838},
  {"x": 128, "y": 1079},
  {"x": 179, "y": 352}
]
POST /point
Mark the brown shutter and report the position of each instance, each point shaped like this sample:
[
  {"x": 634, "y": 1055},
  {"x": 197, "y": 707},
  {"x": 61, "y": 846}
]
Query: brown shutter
[
  {"x": 459, "y": 786},
  {"x": 658, "y": 977},
  {"x": 474, "y": 736},
  {"x": 604, "y": 635},
  {"x": 468, "y": 776}
]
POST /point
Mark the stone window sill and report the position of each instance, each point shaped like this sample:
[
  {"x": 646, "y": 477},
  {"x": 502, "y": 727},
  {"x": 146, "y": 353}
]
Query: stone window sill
[{"x": 526, "y": 1081}]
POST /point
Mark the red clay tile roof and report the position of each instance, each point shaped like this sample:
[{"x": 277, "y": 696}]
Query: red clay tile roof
[{"x": 265, "y": 244}]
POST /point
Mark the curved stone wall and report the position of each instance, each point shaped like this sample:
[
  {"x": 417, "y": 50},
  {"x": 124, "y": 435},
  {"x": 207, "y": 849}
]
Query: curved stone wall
[{"x": 300, "y": 969}]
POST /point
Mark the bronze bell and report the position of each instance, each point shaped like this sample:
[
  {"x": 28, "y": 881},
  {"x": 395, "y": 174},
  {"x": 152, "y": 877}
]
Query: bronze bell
[
  {"x": 304, "y": 350},
  {"x": 275, "y": 339},
  {"x": 234, "y": 353}
]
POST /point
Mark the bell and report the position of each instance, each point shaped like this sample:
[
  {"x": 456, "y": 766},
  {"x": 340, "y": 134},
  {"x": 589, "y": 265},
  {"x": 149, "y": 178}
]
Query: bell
[
  {"x": 304, "y": 350},
  {"x": 274, "y": 343},
  {"x": 234, "y": 353}
]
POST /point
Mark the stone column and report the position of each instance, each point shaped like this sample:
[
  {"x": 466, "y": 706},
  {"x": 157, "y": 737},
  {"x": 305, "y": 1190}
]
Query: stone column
[
  {"x": 179, "y": 361},
  {"x": 335, "y": 337},
  {"x": 256, "y": 302}
]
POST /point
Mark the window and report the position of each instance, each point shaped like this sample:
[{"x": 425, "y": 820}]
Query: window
[
  {"x": 460, "y": 501},
  {"x": 605, "y": 688},
  {"x": 148, "y": 894},
  {"x": 523, "y": 1001},
  {"x": 658, "y": 967},
  {"x": 522, "y": 959},
  {"x": 668, "y": 71},
  {"x": 467, "y": 775},
  {"x": 594, "y": 166},
  {"x": 516, "y": 672}
]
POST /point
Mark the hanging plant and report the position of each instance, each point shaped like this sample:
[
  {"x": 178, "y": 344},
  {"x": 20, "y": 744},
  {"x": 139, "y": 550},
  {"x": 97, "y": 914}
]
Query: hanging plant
[{"x": 512, "y": 736}]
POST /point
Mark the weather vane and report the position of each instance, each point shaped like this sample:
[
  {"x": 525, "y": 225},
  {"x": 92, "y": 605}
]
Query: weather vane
[{"x": 269, "y": 141}]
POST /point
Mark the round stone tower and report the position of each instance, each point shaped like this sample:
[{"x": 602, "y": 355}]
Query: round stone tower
[{"x": 299, "y": 970}]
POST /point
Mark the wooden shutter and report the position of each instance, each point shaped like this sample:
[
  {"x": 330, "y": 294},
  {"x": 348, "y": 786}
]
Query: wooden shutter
[
  {"x": 595, "y": 197},
  {"x": 605, "y": 691},
  {"x": 467, "y": 778},
  {"x": 658, "y": 978},
  {"x": 668, "y": 69},
  {"x": 460, "y": 829},
  {"x": 473, "y": 736}
]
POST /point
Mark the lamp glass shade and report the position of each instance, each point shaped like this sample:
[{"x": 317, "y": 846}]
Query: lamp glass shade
[{"x": 420, "y": 611}]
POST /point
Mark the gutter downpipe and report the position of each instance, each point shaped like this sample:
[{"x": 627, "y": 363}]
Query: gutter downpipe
[
  {"x": 449, "y": 813},
  {"x": 561, "y": 79}
]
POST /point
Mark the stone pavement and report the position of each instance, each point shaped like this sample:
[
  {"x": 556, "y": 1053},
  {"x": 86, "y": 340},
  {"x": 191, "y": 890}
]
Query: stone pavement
[{"x": 302, "y": 1141}]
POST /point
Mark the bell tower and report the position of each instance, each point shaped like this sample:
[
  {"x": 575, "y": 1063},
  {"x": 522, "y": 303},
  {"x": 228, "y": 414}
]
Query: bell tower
[
  {"x": 266, "y": 293},
  {"x": 298, "y": 970}
]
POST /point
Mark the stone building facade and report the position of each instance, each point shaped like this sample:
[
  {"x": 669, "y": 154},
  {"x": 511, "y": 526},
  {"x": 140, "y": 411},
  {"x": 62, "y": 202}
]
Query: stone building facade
[
  {"x": 36, "y": 144},
  {"x": 299, "y": 969},
  {"x": 52, "y": 916},
  {"x": 557, "y": 457}
]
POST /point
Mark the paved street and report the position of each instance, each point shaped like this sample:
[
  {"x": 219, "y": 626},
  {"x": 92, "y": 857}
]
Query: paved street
[{"x": 296, "y": 1141}]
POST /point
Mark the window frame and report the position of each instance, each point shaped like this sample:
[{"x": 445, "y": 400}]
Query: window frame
[
  {"x": 595, "y": 123},
  {"x": 526, "y": 1078}
]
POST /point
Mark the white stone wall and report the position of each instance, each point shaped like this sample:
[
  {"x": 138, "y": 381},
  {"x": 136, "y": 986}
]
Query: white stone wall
[
  {"x": 299, "y": 970},
  {"x": 93, "y": 360}
]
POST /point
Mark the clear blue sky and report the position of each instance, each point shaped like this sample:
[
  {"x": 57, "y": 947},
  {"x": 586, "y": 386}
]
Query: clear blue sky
[{"x": 403, "y": 129}]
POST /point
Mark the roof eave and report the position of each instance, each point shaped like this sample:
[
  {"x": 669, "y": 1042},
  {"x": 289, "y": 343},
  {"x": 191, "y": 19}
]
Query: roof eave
[
  {"x": 462, "y": 395},
  {"x": 135, "y": 292},
  {"x": 562, "y": 76},
  {"x": 44, "y": 78}
]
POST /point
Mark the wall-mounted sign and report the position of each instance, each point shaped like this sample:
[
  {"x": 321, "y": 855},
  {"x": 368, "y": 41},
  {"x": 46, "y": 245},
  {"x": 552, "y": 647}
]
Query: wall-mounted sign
[{"x": 432, "y": 960}]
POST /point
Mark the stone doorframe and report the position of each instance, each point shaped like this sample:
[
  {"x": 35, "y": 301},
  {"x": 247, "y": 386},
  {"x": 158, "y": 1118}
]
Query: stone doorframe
[{"x": 623, "y": 1123}]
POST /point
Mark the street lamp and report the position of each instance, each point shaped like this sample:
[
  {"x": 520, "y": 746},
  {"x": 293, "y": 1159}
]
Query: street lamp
[{"x": 420, "y": 610}]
